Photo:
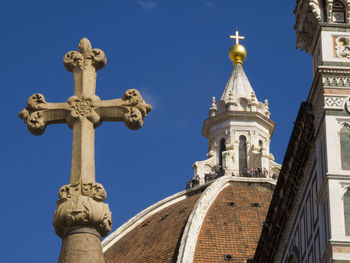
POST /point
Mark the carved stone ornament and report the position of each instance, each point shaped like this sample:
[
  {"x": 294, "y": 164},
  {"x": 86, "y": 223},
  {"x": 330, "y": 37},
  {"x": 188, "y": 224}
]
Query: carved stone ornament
[
  {"x": 78, "y": 60},
  {"x": 81, "y": 203},
  {"x": 82, "y": 206},
  {"x": 342, "y": 47},
  {"x": 336, "y": 81},
  {"x": 308, "y": 15},
  {"x": 131, "y": 109},
  {"x": 333, "y": 102}
]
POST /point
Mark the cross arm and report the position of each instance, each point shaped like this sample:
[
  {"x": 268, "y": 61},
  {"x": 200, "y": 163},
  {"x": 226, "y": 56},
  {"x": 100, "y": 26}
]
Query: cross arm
[
  {"x": 131, "y": 109},
  {"x": 39, "y": 113}
]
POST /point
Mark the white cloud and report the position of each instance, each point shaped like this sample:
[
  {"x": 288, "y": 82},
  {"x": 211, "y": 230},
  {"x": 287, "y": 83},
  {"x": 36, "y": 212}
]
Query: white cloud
[
  {"x": 181, "y": 123},
  {"x": 148, "y": 5},
  {"x": 151, "y": 99},
  {"x": 210, "y": 4}
]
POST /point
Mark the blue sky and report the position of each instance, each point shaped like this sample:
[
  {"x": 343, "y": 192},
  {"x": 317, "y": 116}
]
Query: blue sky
[{"x": 175, "y": 53}]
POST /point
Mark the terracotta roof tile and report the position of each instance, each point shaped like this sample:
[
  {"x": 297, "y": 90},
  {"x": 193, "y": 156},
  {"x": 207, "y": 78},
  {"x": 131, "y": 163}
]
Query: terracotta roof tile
[
  {"x": 233, "y": 223},
  {"x": 232, "y": 226},
  {"x": 157, "y": 238}
]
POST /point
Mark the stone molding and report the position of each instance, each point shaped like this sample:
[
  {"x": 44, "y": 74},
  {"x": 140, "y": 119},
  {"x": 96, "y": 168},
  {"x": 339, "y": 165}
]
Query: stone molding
[
  {"x": 197, "y": 216},
  {"x": 336, "y": 81},
  {"x": 324, "y": 185},
  {"x": 334, "y": 102}
]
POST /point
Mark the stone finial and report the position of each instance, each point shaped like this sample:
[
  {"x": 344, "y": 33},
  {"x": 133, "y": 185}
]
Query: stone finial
[
  {"x": 78, "y": 60},
  {"x": 253, "y": 97},
  {"x": 230, "y": 97},
  {"x": 230, "y": 103},
  {"x": 213, "y": 108},
  {"x": 213, "y": 103},
  {"x": 267, "y": 112}
]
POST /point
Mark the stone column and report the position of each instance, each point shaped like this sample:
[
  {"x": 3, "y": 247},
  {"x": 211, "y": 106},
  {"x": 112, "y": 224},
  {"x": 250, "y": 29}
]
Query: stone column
[{"x": 81, "y": 219}]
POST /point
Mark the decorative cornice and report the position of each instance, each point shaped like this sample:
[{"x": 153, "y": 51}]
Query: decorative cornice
[{"x": 219, "y": 118}]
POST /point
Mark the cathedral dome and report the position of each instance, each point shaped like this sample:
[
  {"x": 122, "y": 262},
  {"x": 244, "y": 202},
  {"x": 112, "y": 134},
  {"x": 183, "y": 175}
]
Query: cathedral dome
[
  {"x": 208, "y": 223},
  {"x": 220, "y": 215}
]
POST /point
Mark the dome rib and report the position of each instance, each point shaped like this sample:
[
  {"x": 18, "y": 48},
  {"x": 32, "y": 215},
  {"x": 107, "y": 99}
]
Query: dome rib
[
  {"x": 195, "y": 221},
  {"x": 170, "y": 230}
]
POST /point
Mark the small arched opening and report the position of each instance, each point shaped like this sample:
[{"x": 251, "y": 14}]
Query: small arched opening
[
  {"x": 242, "y": 154},
  {"x": 221, "y": 150}
]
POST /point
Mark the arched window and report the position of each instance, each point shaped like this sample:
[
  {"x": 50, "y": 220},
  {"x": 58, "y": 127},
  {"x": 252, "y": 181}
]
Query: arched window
[
  {"x": 260, "y": 145},
  {"x": 345, "y": 146},
  {"x": 338, "y": 10},
  {"x": 222, "y": 149},
  {"x": 347, "y": 212},
  {"x": 242, "y": 154}
]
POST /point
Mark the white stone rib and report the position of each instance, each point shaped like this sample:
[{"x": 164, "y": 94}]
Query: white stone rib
[{"x": 196, "y": 218}]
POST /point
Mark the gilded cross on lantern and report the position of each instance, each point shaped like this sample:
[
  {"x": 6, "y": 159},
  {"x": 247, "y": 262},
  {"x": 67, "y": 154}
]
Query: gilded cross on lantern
[
  {"x": 81, "y": 217},
  {"x": 237, "y": 37}
]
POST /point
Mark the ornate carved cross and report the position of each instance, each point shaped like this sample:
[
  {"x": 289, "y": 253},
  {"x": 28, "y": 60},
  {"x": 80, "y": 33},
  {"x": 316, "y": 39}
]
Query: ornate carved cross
[
  {"x": 237, "y": 37},
  {"x": 81, "y": 208},
  {"x": 84, "y": 111}
]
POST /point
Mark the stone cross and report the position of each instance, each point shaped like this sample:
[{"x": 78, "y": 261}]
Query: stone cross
[
  {"x": 80, "y": 205},
  {"x": 84, "y": 111},
  {"x": 237, "y": 37}
]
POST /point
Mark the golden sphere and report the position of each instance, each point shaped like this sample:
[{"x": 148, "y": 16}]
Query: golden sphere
[{"x": 237, "y": 53}]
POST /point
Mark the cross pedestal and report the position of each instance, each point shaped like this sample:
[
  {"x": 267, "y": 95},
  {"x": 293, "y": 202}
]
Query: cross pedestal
[{"x": 81, "y": 217}]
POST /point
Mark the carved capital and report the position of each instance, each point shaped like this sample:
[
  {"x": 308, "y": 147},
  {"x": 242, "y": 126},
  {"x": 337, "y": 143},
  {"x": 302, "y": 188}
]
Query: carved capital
[
  {"x": 82, "y": 206},
  {"x": 86, "y": 56}
]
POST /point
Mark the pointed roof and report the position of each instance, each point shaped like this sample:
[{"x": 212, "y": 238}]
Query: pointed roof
[{"x": 238, "y": 85}]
